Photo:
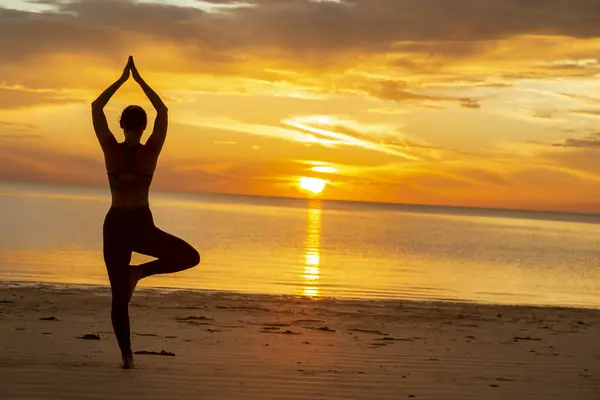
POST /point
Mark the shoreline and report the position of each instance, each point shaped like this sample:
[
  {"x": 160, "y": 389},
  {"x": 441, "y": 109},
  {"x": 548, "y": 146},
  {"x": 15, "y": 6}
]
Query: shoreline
[{"x": 85, "y": 287}]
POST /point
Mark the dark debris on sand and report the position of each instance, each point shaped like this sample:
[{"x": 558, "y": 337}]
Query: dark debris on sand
[
  {"x": 322, "y": 328},
  {"x": 517, "y": 338},
  {"x": 393, "y": 339},
  {"x": 286, "y": 332},
  {"x": 194, "y": 318},
  {"x": 49, "y": 319},
  {"x": 374, "y": 332},
  {"x": 90, "y": 336},
  {"x": 154, "y": 353},
  {"x": 270, "y": 328}
]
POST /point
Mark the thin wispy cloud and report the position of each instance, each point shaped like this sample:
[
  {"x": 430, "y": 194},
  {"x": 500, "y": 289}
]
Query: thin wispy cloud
[{"x": 330, "y": 129}]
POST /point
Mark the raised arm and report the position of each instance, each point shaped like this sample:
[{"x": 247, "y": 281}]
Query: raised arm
[
  {"x": 105, "y": 136},
  {"x": 159, "y": 133}
]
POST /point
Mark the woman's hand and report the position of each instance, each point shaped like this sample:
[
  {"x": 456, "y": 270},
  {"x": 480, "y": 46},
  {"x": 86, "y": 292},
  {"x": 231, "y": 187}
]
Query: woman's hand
[
  {"x": 127, "y": 70},
  {"x": 134, "y": 72},
  {"x": 157, "y": 138}
]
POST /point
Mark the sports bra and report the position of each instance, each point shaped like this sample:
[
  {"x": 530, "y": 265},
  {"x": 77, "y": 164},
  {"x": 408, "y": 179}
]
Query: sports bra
[{"x": 128, "y": 176}]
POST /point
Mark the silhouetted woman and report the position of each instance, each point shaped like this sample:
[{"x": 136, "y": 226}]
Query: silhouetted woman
[{"x": 129, "y": 226}]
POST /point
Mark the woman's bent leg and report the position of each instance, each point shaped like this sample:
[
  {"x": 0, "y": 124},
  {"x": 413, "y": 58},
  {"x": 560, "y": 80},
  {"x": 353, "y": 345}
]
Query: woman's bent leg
[{"x": 173, "y": 254}]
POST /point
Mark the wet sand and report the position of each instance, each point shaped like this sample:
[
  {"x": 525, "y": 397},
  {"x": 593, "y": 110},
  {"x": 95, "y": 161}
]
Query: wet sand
[{"x": 57, "y": 343}]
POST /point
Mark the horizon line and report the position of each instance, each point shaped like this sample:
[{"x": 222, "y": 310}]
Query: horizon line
[{"x": 316, "y": 198}]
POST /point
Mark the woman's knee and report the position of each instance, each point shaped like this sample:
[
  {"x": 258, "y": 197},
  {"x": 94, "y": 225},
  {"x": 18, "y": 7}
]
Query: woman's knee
[
  {"x": 194, "y": 257},
  {"x": 190, "y": 257}
]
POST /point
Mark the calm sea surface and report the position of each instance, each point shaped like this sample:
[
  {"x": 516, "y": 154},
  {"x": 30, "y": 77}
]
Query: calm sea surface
[{"x": 311, "y": 248}]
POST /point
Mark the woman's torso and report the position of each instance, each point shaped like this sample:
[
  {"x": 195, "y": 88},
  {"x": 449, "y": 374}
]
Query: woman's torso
[{"x": 130, "y": 169}]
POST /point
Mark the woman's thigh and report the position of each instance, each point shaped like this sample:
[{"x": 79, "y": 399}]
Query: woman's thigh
[{"x": 157, "y": 243}]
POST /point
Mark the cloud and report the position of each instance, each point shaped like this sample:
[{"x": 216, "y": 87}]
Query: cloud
[
  {"x": 17, "y": 126},
  {"x": 19, "y": 97},
  {"x": 386, "y": 60},
  {"x": 591, "y": 141},
  {"x": 321, "y": 38},
  {"x": 545, "y": 114},
  {"x": 595, "y": 113},
  {"x": 325, "y": 131},
  {"x": 20, "y": 136},
  {"x": 383, "y": 139},
  {"x": 576, "y": 64},
  {"x": 437, "y": 181},
  {"x": 348, "y": 23},
  {"x": 397, "y": 91},
  {"x": 26, "y": 163},
  {"x": 587, "y": 99}
]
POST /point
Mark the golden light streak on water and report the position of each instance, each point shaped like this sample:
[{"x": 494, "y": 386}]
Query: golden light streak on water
[{"x": 312, "y": 250}]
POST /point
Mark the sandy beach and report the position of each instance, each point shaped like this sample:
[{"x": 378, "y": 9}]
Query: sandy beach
[{"x": 236, "y": 346}]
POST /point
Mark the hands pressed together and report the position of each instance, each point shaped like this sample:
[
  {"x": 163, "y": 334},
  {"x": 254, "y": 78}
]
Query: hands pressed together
[{"x": 130, "y": 69}]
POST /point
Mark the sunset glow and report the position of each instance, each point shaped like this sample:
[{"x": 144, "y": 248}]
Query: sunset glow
[
  {"x": 312, "y": 185},
  {"x": 325, "y": 169},
  {"x": 394, "y": 111}
]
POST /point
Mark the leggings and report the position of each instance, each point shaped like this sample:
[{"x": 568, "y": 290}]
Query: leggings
[{"x": 128, "y": 230}]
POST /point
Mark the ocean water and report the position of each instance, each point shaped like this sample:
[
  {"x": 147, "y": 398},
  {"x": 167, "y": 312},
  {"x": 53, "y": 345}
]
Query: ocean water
[{"x": 301, "y": 247}]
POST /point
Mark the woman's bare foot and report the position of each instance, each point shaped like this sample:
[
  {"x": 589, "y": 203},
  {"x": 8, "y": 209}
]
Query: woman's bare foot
[{"x": 127, "y": 362}]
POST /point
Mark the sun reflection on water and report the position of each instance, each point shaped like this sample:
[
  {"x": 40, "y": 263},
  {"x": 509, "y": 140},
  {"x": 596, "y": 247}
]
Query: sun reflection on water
[{"x": 312, "y": 250}]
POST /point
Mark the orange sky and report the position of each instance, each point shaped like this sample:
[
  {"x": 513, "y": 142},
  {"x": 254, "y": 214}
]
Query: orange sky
[{"x": 485, "y": 103}]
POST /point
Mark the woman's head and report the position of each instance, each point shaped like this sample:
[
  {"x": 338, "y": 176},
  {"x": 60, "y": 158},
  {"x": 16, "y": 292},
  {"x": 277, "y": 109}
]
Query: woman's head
[{"x": 134, "y": 120}]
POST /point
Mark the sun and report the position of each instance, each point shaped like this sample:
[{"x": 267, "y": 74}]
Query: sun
[{"x": 312, "y": 185}]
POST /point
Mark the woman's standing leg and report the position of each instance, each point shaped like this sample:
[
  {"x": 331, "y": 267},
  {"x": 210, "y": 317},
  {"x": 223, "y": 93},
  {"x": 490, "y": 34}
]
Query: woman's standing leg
[{"x": 117, "y": 256}]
